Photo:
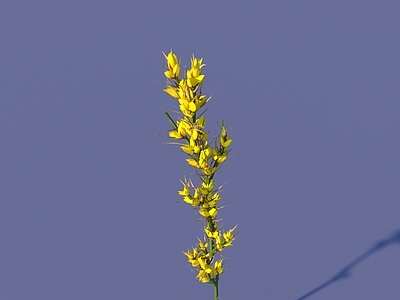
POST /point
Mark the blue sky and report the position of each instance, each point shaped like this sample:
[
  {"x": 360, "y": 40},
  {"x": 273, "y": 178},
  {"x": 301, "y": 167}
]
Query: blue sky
[{"x": 310, "y": 93}]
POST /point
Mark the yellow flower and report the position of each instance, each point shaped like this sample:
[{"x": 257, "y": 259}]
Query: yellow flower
[
  {"x": 204, "y": 155},
  {"x": 219, "y": 158},
  {"x": 217, "y": 270},
  {"x": 195, "y": 134},
  {"x": 187, "y": 107},
  {"x": 184, "y": 91},
  {"x": 202, "y": 245},
  {"x": 224, "y": 140},
  {"x": 194, "y": 76},
  {"x": 203, "y": 276},
  {"x": 213, "y": 212},
  {"x": 188, "y": 200},
  {"x": 204, "y": 265},
  {"x": 192, "y": 162},
  {"x": 173, "y": 68},
  {"x": 225, "y": 143},
  {"x": 208, "y": 212},
  {"x": 191, "y": 148},
  {"x": 192, "y": 256},
  {"x": 209, "y": 171},
  {"x": 185, "y": 191},
  {"x": 172, "y": 91},
  {"x": 184, "y": 128},
  {"x": 229, "y": 237},
  {"x": 175, "y": 135},
  {"x": 207, "y": 187},
  {"x": 211, "y": 234},
  {"x": 213, "y": 200},
  {"x": 219, "y": 243}
]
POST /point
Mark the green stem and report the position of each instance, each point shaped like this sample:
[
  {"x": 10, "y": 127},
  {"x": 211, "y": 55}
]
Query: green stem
[
  {"x": 215, "y": 284},
  {"x": 211, "y": 245},
  {"x": 171, "y": 121},
  {"x": 210, "y": 239}
]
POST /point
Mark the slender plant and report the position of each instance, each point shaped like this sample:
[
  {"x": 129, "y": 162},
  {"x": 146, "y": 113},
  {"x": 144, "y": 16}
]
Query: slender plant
[{"x": 206, "y": 156}]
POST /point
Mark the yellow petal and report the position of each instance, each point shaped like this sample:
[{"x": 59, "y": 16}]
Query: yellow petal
[
  {"x": 174, "y": 135},
  {"x": 192, "y": 162}
]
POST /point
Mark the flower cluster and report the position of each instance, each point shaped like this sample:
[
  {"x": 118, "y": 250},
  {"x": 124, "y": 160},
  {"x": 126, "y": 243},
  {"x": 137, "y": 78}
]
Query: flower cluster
[{"x": 205, "y": 156}]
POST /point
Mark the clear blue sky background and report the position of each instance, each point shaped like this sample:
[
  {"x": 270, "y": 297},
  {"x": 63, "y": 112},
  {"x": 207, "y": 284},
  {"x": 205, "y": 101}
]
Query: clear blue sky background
[{"x": 310, "y": 92}]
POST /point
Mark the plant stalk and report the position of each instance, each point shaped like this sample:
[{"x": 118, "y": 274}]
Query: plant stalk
[{"x": 215, "y": 284}]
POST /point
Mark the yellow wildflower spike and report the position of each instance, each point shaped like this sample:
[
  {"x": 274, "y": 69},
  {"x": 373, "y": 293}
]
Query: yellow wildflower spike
[{"x": 206, "y": 158}]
